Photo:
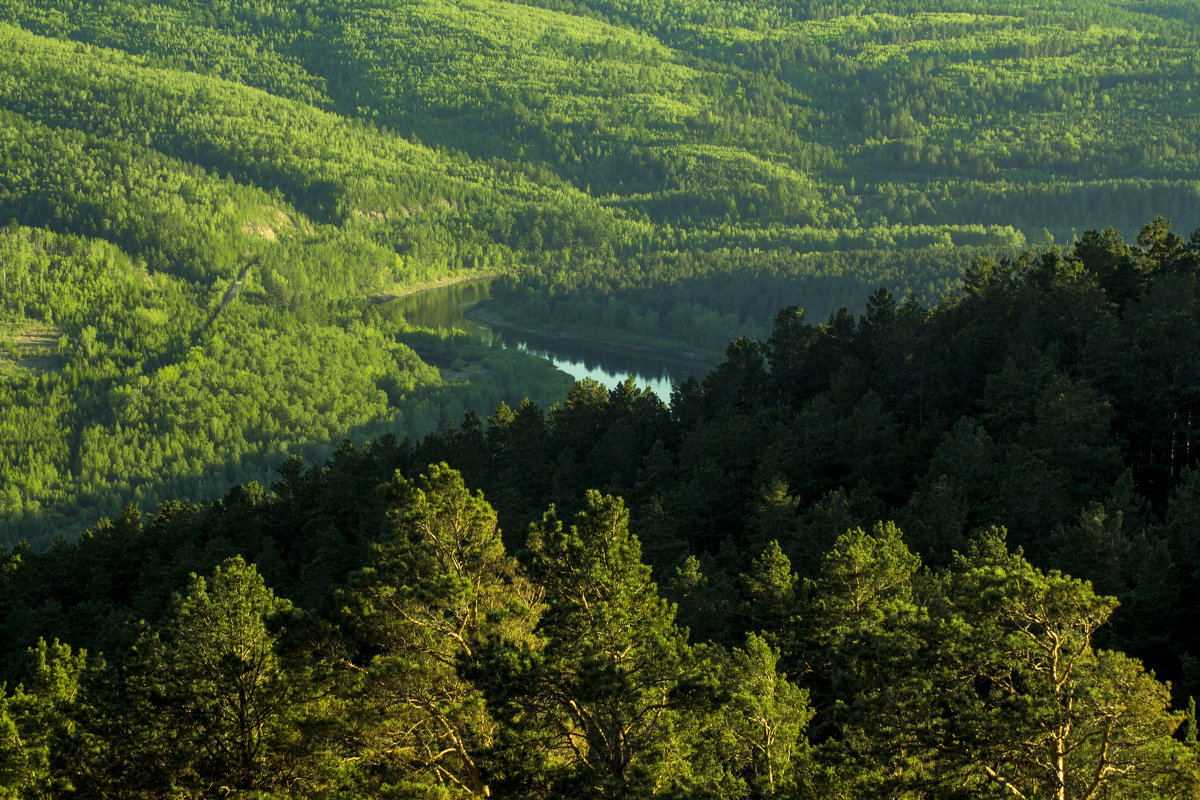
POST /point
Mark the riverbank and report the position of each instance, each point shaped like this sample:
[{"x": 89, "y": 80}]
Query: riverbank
[
  {"x": 408, "y": 289},
  {"x": 687, "y": 359}
]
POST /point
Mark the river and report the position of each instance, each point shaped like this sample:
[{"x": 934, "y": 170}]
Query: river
[{"x": 444, "y": 308}]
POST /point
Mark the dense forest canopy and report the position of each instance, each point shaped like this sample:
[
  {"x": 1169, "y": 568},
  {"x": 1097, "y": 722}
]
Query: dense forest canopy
[
  {"x": 201, "y": 201},
  {"x": 914, "y": 553},
  {"x": 931, "y": 540}
]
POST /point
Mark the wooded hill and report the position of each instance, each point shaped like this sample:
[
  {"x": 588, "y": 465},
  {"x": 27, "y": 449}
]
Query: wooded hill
[
  {"x": 669, "y": 171},
  {"x": 909, "y": 554}
]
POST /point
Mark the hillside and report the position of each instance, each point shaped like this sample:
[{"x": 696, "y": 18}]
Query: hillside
[
  {"x": 665, "y": 171},
  {"x": 918, "y": 553}
]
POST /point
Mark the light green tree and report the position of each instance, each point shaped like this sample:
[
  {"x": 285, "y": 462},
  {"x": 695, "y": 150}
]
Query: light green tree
[
  {"x": 42, "y": 743},
  {"x": 766, "y": 717},
  {"x": 993, "y": 688}
]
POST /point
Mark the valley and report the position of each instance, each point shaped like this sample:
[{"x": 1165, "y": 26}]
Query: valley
[{"x": 320, "y": 475}]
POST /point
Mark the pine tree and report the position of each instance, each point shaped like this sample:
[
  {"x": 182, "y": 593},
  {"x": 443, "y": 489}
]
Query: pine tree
[
  {"x": 994, "y": 686},
  {"x": 43, "y": 745},
  {"x": 435, "y": 590},
  {"x": 605, "y": 683},
  {"x": 208, "y": 705},
  {"x": 767, "y": 718}
]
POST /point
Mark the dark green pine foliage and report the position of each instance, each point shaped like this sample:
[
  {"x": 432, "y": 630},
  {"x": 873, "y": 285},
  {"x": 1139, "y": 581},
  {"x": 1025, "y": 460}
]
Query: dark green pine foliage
[
  {"x": 704, "y": 600},
  {"x": 604, "y": 688},
  {"x": 770, "y": 604},
  {"x": 438, "y": 588},
  {"x": 207, "y": 705},
  {"x": 1056, "y": 393}
]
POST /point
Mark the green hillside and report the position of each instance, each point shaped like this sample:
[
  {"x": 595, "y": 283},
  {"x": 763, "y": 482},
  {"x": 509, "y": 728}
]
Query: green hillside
[
  {"x": 201, "y": 200},
  {"x": 921, "y": 554}
]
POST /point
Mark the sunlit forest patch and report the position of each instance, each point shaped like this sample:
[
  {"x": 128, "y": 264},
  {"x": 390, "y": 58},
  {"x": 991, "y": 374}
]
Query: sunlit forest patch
[{"x": 190, "y": 184}]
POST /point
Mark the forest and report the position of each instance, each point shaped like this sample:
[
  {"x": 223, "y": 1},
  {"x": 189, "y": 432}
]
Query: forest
[
  {"x": 205, "y": 203},
  {"x": 929, "y": 530},
  {"x": 919, "y": 552}
]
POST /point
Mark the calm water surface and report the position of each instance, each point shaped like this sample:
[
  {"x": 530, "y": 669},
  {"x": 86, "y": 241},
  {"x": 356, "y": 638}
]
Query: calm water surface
[{"x": 443, "y": 309}]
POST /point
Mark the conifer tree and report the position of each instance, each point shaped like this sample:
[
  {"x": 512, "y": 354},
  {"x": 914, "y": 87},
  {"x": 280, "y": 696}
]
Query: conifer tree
[
  {"x": 43, "y": 746},
  {"x": 605, "y": 683},
  {"x": 434, "y": 592},
  {"x": 992, "y": 686},
  {"x": 766, "y": 716},
  {"x": 208, "y": 705}
]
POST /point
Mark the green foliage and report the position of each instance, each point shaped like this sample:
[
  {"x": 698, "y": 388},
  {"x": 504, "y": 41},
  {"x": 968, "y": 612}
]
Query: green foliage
[
  {"x": 862, "y": 605},
  {"x": 604, "y": 686},
  {"x": 766, "y": 721},
  {"x": 1025, "y": 705},
  {"x": 437, "y": 589},
  {"x": 445, "y": 668},
  {"x": 656, "y": 172},
  {"x": 41, "y": 740},
  {"x": 223, "y": 709},
  {"x": 770, "y": 591},
  {"x": 206, "y": 207}
]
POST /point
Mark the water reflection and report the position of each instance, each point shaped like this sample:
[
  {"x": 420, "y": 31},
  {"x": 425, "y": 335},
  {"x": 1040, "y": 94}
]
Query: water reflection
[
  {"x": 607, "y": 370},
  {"x": 443, "y": 308}
]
